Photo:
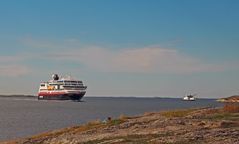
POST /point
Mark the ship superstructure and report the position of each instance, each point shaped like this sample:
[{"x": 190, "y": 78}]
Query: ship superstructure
[
  {"x": 62, "y": 89},
  {"x": 189, "y": 97}
]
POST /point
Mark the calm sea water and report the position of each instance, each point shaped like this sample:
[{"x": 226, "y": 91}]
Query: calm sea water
[{"x": 21, "y": 117}]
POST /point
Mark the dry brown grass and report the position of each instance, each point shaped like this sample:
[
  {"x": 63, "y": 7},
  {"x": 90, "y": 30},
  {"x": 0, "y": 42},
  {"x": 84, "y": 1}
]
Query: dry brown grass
[
  {"x": 94, "y": 122},
  {"x": 231, "y": 108},
  {"x": 177, "y": 113},
  {"x": 123, "y": 117}
]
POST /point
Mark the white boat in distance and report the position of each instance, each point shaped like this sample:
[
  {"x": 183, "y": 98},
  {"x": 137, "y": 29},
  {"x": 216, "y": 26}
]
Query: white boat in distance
[{"x": 189, "y": 97}]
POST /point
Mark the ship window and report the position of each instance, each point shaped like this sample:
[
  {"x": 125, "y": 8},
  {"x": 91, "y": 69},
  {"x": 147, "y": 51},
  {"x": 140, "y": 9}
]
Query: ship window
[
  {"x": 53, "y": 84},
  {"x": 42, "y": 85}
]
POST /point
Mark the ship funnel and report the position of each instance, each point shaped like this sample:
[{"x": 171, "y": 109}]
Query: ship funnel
[{"x": 55, "y": 77}]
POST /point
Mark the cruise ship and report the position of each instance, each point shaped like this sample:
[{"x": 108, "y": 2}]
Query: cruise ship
[{"x": 62, "y": 89}]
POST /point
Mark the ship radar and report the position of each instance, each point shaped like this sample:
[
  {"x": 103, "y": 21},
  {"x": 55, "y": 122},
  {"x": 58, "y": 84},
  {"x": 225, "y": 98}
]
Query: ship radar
[{"x": 55, "y": 77}]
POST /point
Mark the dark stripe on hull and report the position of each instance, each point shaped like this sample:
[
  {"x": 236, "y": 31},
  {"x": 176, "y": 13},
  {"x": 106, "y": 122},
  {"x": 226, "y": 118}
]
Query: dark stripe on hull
[{"x": 62, "y": 97}]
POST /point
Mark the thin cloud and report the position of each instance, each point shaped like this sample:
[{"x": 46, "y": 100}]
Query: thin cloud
[
  {"x": 13, "y": 70},
  {"x": 151, "y": 59},
  {"x": 142, "y": 60},
  {"x": 12, "y": 66}
]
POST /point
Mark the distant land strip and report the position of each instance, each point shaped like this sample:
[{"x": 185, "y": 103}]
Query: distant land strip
[{"x": 18, "y": 96}]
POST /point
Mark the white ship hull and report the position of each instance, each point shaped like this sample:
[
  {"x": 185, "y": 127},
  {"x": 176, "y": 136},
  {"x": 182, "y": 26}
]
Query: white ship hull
[{"x": 189, "y": 99}]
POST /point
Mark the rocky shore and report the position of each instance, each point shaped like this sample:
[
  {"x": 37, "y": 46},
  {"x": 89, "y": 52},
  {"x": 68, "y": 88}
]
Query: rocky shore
[
  {"x": 190, "y": 126},
  {"x": 231, "y": 99}
]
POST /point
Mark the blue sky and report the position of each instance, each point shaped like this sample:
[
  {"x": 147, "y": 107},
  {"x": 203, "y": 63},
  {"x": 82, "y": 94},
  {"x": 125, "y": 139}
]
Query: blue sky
[{"x": 122, "y": 48}]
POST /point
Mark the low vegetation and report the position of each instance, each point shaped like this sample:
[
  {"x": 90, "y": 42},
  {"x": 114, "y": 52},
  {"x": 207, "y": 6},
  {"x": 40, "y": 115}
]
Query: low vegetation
[
  {"x": 132, "y": 139},
  {"x": 231, "y": 107},
  {"x": 177, "y": 113}
]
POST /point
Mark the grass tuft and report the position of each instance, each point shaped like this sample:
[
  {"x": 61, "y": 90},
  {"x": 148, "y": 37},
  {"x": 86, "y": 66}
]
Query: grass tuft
[
  {"x": 123, "y": 117},
  {"x": 177, "y": 113},
  {"x": 224, "y": 116},
  {"x": 94, "y": 122},
  {"x": 115, "y": 122}
]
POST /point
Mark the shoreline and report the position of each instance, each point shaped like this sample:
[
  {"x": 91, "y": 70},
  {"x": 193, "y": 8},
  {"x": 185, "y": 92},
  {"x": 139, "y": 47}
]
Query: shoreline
[
  {"x": 17, "y": 96},
  {"x": 140, "y": 97},
  {"x": 198, "y": 125}
]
